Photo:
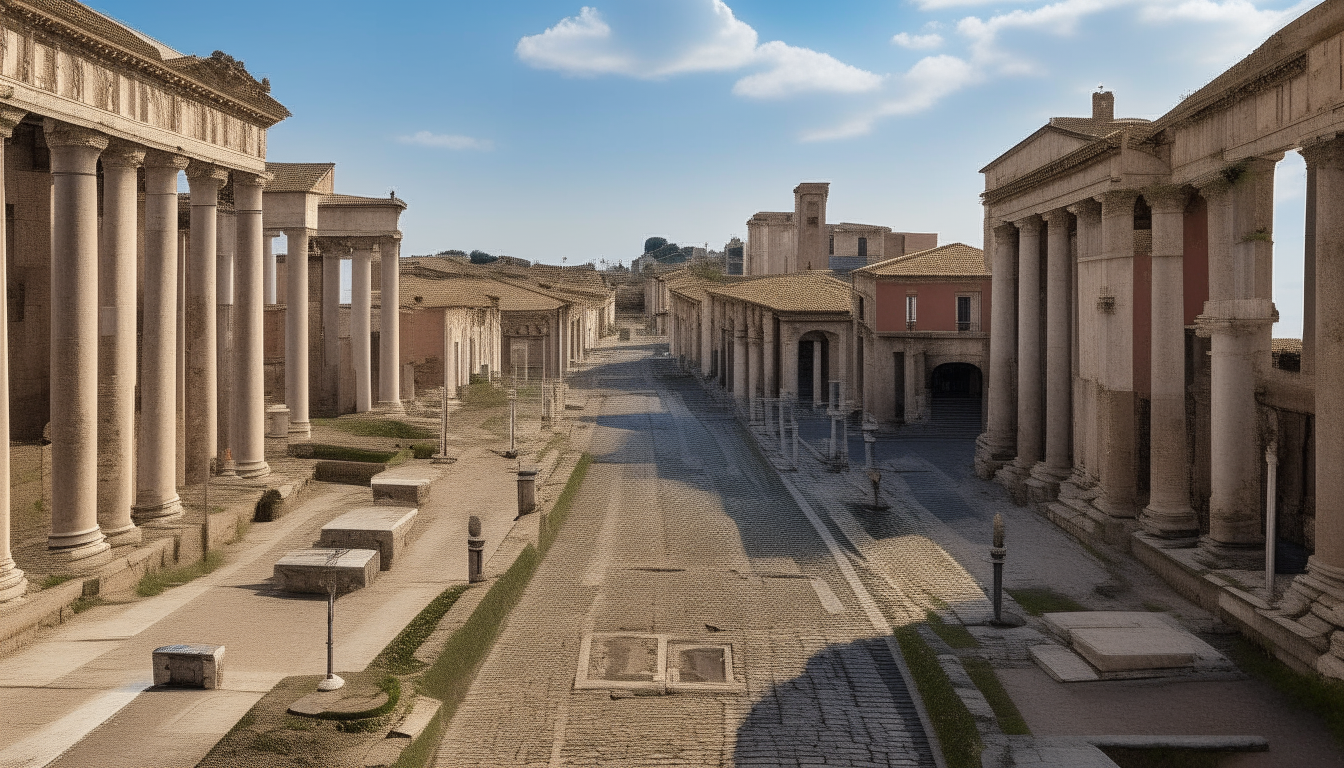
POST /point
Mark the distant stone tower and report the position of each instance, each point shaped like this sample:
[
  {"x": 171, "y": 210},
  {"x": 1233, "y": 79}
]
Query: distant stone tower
[{"x": 809, "y": 219}]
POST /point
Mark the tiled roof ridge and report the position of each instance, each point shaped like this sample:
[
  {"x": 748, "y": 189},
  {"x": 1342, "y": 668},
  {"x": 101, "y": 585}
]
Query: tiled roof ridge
[{"x": 880, "y": 267}]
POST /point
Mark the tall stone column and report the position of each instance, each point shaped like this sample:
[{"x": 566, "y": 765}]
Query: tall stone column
[
  {"x": 156, "y": 456},
  {"x": 768, "y": 355},
  {"x": 268, "y": 267},
  {"x": 754, "y": 357},
  {"x": 1056, "y": 466},
  {"x": 202, "y": 427},
  {"x": 998, "y": 445},
  {"x": 1087, "y": 347},
  {"x": 116, "y": 344},
  {"x": 331, "y": 323},
  {"x": 296, "y": 332},
  {"x": 248, "y": 430},
  {"x": 1236, "y": 323},
  {"x": 740, "y": 355},
  {"x": 389, "y": 343},
  {"x": 788, "y": 365},
  {"x": 1030, "y": 392},
  {"x": 226, "y": 237},
  {"x": 361, "y": 304},
  {"x": 1168, "y": 515},
  {"x": 75, "y": 535},
  {"x": 1309, "y": 277},
  {"x": 914, "y": 383},
  {"x": 1115, "y": 396},
  {"x": 13, "y": 584},
  {"x": 820, "y": 391},
  {"x": 1320, "y": 591}
]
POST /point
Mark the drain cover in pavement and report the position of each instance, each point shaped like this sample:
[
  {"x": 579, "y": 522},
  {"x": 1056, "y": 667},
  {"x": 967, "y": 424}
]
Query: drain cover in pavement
[
  {"x": 655, "y": 662},
  {"x": 624, "y": 658},
  {"x": 699, "y": 663}
]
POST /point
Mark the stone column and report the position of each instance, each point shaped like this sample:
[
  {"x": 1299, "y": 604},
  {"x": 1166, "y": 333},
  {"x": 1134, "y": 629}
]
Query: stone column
[
  {"x": 331, "y": 324},
  {"x": 1235, "y": 321},
  {"x": 740, "y": 355},
  {"x": 914, "y": 383},
  {"x": 1029, "y": 389},
  {"x": 998, "y": 445},
  {"x": 768, "y": 355},
  {"x": 1086, "y": 346},
  {"x": 754, "y": 356},
  {"x": 1321, "y": 589},
  {"x": 13, "y": 584},
  {"x": 268, "y": 267},
  {"x": 361, "y": 303},
  {"x": 202, "y": 372},
  {"x": 248, "y": 430},
  {"x": 820, "y": 388},
  {"x": 788, "y": 364},
  {"x": 75, "y": 535},
  {"x": 116, "y": 344},
  {"x": 156, "y": 457},
  {"x": 1309, "y": 277},
  {"x": 296, "y": 332},
  {"x": 389, "y": 344},
  {"x": 1168, "y": 515},
  {"x": 1056, "y": 466},
  {"x": 226, "y": 236},
  {"x": 1115, "y": 405}
]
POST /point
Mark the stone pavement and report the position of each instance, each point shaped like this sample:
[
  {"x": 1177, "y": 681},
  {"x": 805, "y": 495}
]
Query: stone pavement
[
  {"x": 682, "y": 534},
  {"x": 78, "y": 696}
]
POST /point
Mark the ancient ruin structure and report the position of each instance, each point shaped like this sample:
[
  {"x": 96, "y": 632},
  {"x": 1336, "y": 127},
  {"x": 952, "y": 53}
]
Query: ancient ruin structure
[
  {"x": 923, "y": 335},
  {"x": 1132, "y": 390},
  {"x": 96, "y": 114}
]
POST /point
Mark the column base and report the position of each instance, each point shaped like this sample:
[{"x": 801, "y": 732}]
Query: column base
[
  {"x": 1316, "y": 601},
  {"x": 155, "y": 513},
  {"x": 1239, "y": 557},
  {"x": 82, "y": 556},
  {"x": 13, "y": 585},
  {"x": 300, "y": 430},
  {"x": 250, "y": 469},
  {"x": 990, "y": 458},
  {"x": 390, "y": 406},
  {"x": 120, "y": 537},
  {"x": 1013, "y": 476},
  {"x": 1175, "y": 525},
  {"x": 1043, "y": 484}
]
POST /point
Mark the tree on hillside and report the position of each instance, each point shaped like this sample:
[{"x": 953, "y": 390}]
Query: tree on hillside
[
  {"x": 481, "y": 257},
  {"x": 654, "y": 243}
]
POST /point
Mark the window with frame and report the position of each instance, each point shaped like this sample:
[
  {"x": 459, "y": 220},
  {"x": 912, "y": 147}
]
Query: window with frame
[
  {"x": 863, "y": 247},
  {"x": 963, "y": 313},
  {"x": 910, "y": 312}
]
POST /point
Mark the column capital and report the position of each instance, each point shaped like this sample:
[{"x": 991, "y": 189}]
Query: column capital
[
  {"x": 1005, "y": 233},
  {"x": 10, "y": 117},
  {"x": 246, "y": 179},
  {"x": 1166, "y": 198},
  {"x": 1059, "y": 217},
  {"x": 1324, "y": 153},
  {"x": 167, "y": 160},
  {"x": 1117, "y": 201},
  {"x": 1085, "y": 208},
  {"x": 123, "y": 154},
  {"x": 200, "y": 170},
  {"x": 61, "y": 134},
  {"x": 1030, "y": 225}
]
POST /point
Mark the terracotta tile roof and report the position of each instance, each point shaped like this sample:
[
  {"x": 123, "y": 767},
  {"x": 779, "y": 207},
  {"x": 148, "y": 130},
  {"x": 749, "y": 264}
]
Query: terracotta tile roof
[
  {"x": 1286, "y": 345},
  {"x": 358, "y": 200},
  {"x": 951, "y": 260},
  {"x": 300, "y": 177},
  {"x": 454, "y": 291},
  {"x": 815, "y": 291}
]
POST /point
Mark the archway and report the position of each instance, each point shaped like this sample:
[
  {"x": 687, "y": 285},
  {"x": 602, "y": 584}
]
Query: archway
[
  {"x": 956, "y": 391},
  {"x": 814, "y": 368}
]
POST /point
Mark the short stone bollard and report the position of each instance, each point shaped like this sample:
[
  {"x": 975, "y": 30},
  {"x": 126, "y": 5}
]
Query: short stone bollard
[
  {"x": 190, "y": 665},
  {"x": 277, "y": 421},
  {"x": 527, "y": 491},
  {"x": 475, "y": 551}
]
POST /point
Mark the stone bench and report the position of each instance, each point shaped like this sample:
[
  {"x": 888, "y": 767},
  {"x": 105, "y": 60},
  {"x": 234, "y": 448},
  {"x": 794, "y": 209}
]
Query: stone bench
[
  {"x": 385, "y": 529},
  {"x": 308, "y": 570},
  {"x": 401, "y": 488},
  {"x": 191, "y": 665}
]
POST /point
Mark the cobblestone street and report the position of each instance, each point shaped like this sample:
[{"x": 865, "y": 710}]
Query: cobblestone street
[{"x": 683, "y": 534}]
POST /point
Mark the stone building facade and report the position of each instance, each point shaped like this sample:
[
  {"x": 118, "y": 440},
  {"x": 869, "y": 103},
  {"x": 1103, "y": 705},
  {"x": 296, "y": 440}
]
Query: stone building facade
[
  {"x": 922, "y": 335},
  {"x": 1132, "y": 388},
  {"x": 98, "y": 123}
]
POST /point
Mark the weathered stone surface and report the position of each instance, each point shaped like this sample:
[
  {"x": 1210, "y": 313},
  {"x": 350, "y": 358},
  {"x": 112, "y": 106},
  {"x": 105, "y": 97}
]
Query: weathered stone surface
[
  {"x": 421, "y": 713},
  {"x": 311, "y": 570},
  {"x": 385, "y": 529},
  {"x": 400, "y": 488},
  {"x": 1063, "y": 665},
  {"x": 192, "y": 665}
]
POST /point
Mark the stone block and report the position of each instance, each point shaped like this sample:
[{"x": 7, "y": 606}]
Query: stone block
[
  {"x": 1063, "y": 665},
  {"x": 385, "y": 529},
  {"x": 1129, "y": 649},
  {"x": 190, "y": 665},
  {"x": 347, "y": 472},
  {"x": 311, "y": 570},
  {"x": 401, "y": 489}
]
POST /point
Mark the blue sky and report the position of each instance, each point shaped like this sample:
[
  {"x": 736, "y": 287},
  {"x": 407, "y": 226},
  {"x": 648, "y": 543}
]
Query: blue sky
[{"x": 549, "y": 129}]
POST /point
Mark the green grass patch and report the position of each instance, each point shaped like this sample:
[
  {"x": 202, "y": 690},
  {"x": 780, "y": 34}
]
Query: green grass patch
[
  {"x": 951, "y": 720},
  {"x": 155, "y": 583},
  {"x": 398, "y": 657},
  {"x": 55, "y": 580},
  {"x": 422, "y": 749},
  {"x": 982, "y": 674},
  {"x": 1164, "y": 758},
  {"x": 551, "y": 445},
  {"x": 85, "y": 602},
  {"x": 424, "y": 450},
  {"x": 1041, "y": 600},
  {"x": 482, "y": 394},
  {"x": 265, "y": 742},
  {"x": 550, "y": 525},
  {"x": 389, "y": 685},
  {"x": 377, "y": 428},
  {"x": 1314, "y": 693},
  {"x": 346, "y": 453},
  {"x": 955, "y": 635}
]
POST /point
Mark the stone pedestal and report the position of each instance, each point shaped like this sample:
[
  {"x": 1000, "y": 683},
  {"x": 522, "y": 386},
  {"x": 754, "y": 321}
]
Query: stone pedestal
[
  {"x": 314, "y": 570},
  {"x": 385, "y": 529},
  {"x": 191, "y": 666}
]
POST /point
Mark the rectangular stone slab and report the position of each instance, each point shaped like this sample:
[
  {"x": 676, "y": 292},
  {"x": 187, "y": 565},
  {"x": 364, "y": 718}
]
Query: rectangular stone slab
[
  {"x": 401, "y": 489},
  {"x": 385, "y": 529},
  {"x": 1063, "y": 624},
  {"x": 1129, "y": 649},
  {"x": 194, "y": 665},
  {"x": 1063, "y": 665},
  {"x": 307, "y": 570}
]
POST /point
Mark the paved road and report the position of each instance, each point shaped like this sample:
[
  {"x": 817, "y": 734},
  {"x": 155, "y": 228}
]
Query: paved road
[{"x": 684, "y": 540}]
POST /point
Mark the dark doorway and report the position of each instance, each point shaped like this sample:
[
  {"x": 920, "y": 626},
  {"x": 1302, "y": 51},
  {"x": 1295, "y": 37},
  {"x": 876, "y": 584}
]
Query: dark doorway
[
  {"x": 807, "y": 349},
  {"x": 956, "y": 391}
]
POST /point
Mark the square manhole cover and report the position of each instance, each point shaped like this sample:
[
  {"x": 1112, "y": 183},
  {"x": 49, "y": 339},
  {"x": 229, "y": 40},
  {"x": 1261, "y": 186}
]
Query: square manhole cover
[
  {"x": 696, "y": 665},
  {"x": 654, "y": 661},
  {"x": 624, "y": 658}
]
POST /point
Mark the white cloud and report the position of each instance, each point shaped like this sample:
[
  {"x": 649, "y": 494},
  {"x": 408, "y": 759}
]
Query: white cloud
[
  {"x": 917, "y": 42},
  {"x": 928, "y": 81},
  {"x": 447, "y": 141},
  {"x": 671, "y": 37}
]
